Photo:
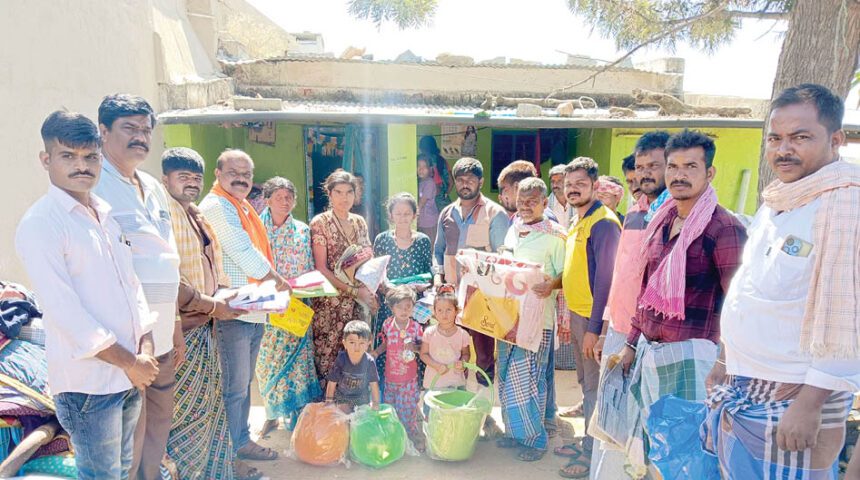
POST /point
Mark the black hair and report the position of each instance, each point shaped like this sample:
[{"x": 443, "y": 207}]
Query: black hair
[
  {"x": 398, "y": 294},
  {"x": 830, "y": 107},
  {"x": 274, "y": 184},
  {"x": 357, "y": 327},
  {"x": 516, "y": 172},
  {"x": 531, "y": 184},
  {"x": 583, "y": 163},
  {"x": 402, "y": 197},
  {"x": 181, "y": 158},
  {"x": 338, "y": 177},
  {"x": 121, "y": 105},
  {"x": 466, "y": 166},
  {"x": 651, "y": 141},
  {"x": 230, "y": 153},
  {"x": 71, "y": 129},
  {"x": 428, "y": 144},
  {"x": 446, "y": 296},
  {"x": 687, "y": 139},
  {"x": 629, "y": 163}
]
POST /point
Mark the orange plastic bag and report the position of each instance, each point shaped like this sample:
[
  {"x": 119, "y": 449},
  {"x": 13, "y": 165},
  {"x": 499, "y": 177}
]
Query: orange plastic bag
[{"x": 321, "y": 436}]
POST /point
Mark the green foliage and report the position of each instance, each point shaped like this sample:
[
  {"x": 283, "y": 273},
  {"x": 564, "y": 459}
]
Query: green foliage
[
  {"x": 704, "y": 24},
  {"x": 404, "y": 13}
]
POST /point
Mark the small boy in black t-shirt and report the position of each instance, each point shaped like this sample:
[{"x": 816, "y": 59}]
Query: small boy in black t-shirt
[{"x": 354, "y": 370}]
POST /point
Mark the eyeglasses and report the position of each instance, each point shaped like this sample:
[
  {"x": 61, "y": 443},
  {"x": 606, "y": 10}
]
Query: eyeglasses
[{"x": 444, "y": 288}]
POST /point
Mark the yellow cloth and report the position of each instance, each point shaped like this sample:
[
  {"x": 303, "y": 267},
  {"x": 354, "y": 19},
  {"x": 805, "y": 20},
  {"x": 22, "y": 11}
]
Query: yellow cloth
[{"x": 576, "y": 283}]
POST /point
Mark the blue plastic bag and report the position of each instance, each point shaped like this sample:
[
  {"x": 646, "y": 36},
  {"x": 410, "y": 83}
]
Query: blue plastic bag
[{"x": 675, "y": 445}]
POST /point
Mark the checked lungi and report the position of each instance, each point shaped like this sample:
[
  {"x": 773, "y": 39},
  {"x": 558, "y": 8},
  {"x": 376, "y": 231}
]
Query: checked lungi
[
  {"x": 523, "y": 391},
  {"x": 660, "y": 369},
  {"x": 742, "y": 425}
]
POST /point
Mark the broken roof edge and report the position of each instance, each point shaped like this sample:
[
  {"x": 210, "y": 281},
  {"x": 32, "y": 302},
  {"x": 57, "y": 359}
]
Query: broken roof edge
[
  {"x": 312, "y": 58},
  {"x": 191, "y": 117}
]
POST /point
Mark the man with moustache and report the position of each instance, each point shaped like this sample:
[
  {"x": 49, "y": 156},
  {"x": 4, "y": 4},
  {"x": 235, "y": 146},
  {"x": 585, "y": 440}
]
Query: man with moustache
[
  {"x": 199, "y": 440},
  {"x": 472, "y": 221},
  {"x": 509, "y": 181},
  {"x": 610, "y": 192},
  {"x": 509, "y": 178},
  {"x": 628, "y": 167},
  {"x": 524, "y": 380},
  {"x": 790, "y": 322},
  {"x": 589, "y": 258},
  {"x": 692, "y": 249},
  {"x": 626, "y": 281},
  {"x": 97, "y": 323},
  {"x": 557, "y": 202},
  {"x": 247, "y": 258},
  {"x": 140, "y": 205}
]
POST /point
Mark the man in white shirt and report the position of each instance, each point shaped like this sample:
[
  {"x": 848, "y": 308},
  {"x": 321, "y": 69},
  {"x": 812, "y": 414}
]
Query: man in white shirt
[
  {"x": 789, "y": 322},
  {"x": 97, "y": 324},
  {"x": 247, "y": 258},
  {"x": 557, "y": 203},
  {"x": 141, "y": 207}
]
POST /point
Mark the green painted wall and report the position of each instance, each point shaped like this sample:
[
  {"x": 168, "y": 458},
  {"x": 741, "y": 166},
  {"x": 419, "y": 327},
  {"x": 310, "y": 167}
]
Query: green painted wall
[
  {"x": 737, "y": 150},
  {"x": 596, "y": 143},
  {"x": 401, "y": 166},
  {"x": 286, "y": 158}
]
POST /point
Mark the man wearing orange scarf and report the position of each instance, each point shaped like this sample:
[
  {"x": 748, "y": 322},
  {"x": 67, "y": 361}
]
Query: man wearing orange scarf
[
  {"x": 790, "y": 362},
  {"x": 247, "y": 258}
]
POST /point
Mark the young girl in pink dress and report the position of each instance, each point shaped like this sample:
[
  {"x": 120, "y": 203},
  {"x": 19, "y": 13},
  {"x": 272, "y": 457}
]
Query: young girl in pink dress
[
  {"x": 446, "y": 345},
  {"x": 403, "y": 336}
]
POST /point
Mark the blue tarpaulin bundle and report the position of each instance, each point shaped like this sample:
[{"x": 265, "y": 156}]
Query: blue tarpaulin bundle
[{"x": 675, "y": 445}]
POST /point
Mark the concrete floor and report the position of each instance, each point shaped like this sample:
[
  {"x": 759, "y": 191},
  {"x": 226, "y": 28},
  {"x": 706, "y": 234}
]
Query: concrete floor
[{"x": 489, "y": 462}]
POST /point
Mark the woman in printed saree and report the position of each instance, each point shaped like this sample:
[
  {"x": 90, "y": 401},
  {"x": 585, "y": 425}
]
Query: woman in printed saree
[
  {"x": 331, "y": 233},
  {"x": 285, "y": 365},
  {"x": 410, "y": 256}
]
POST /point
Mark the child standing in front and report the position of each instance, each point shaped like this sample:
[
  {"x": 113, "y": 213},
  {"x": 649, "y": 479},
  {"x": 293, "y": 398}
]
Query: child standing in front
[
  {"x": 402, "y": 335},
  {"x": 353, "y": 379},
  {"x": 428, "y": 212},
  {"x": 445, "y": 346}
]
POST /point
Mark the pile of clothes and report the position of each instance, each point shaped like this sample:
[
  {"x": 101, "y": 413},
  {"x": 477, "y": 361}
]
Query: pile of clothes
[{"x": 31, "y": 440}]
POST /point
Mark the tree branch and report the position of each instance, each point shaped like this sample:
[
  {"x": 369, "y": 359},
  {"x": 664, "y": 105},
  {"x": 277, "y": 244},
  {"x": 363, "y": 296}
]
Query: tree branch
[
  {"x": 758, "y": 15},
  {"x": 675, "y": 29}
]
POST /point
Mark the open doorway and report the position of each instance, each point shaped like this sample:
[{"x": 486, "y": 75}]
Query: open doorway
[{"x": 356, "y": 150}]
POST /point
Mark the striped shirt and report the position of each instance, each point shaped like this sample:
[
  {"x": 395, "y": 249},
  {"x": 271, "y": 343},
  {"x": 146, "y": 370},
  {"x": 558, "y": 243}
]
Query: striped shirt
[
  {"x": 240, "y": 258},
  {"x": 145, "y": 222}
]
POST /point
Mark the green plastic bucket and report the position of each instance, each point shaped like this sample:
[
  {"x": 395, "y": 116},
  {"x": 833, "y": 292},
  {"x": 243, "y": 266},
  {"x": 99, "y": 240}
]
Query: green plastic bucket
[
  {"x": 455, "y": 420},
  {"x": 376, "y": 438}
]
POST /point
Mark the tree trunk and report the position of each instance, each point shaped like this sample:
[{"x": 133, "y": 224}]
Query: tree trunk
[{"x": 821, "y": 47}]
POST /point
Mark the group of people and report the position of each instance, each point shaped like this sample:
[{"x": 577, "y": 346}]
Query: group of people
[{"x": 147, "y": 359}]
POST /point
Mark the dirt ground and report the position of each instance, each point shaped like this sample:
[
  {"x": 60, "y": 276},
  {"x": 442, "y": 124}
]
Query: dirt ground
[{"x": 488, "y": 463}]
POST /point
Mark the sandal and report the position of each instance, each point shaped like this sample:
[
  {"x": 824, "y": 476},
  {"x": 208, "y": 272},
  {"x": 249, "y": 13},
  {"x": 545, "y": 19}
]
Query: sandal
[
  {"x": 491, "y": 430},
  {"x": 268, "y": 427},
  {"x": 551, "y": 430},
  {"x": 528, "y": 454},
  {"x": 243, "y": 471},
  {"x": 575, "y": 463},
  {"x": 252, "y": 451},
  {"x": 574, "y": 411},
  {"x": 506, "y": 442},
  {"x": 570, "y": 450}
]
